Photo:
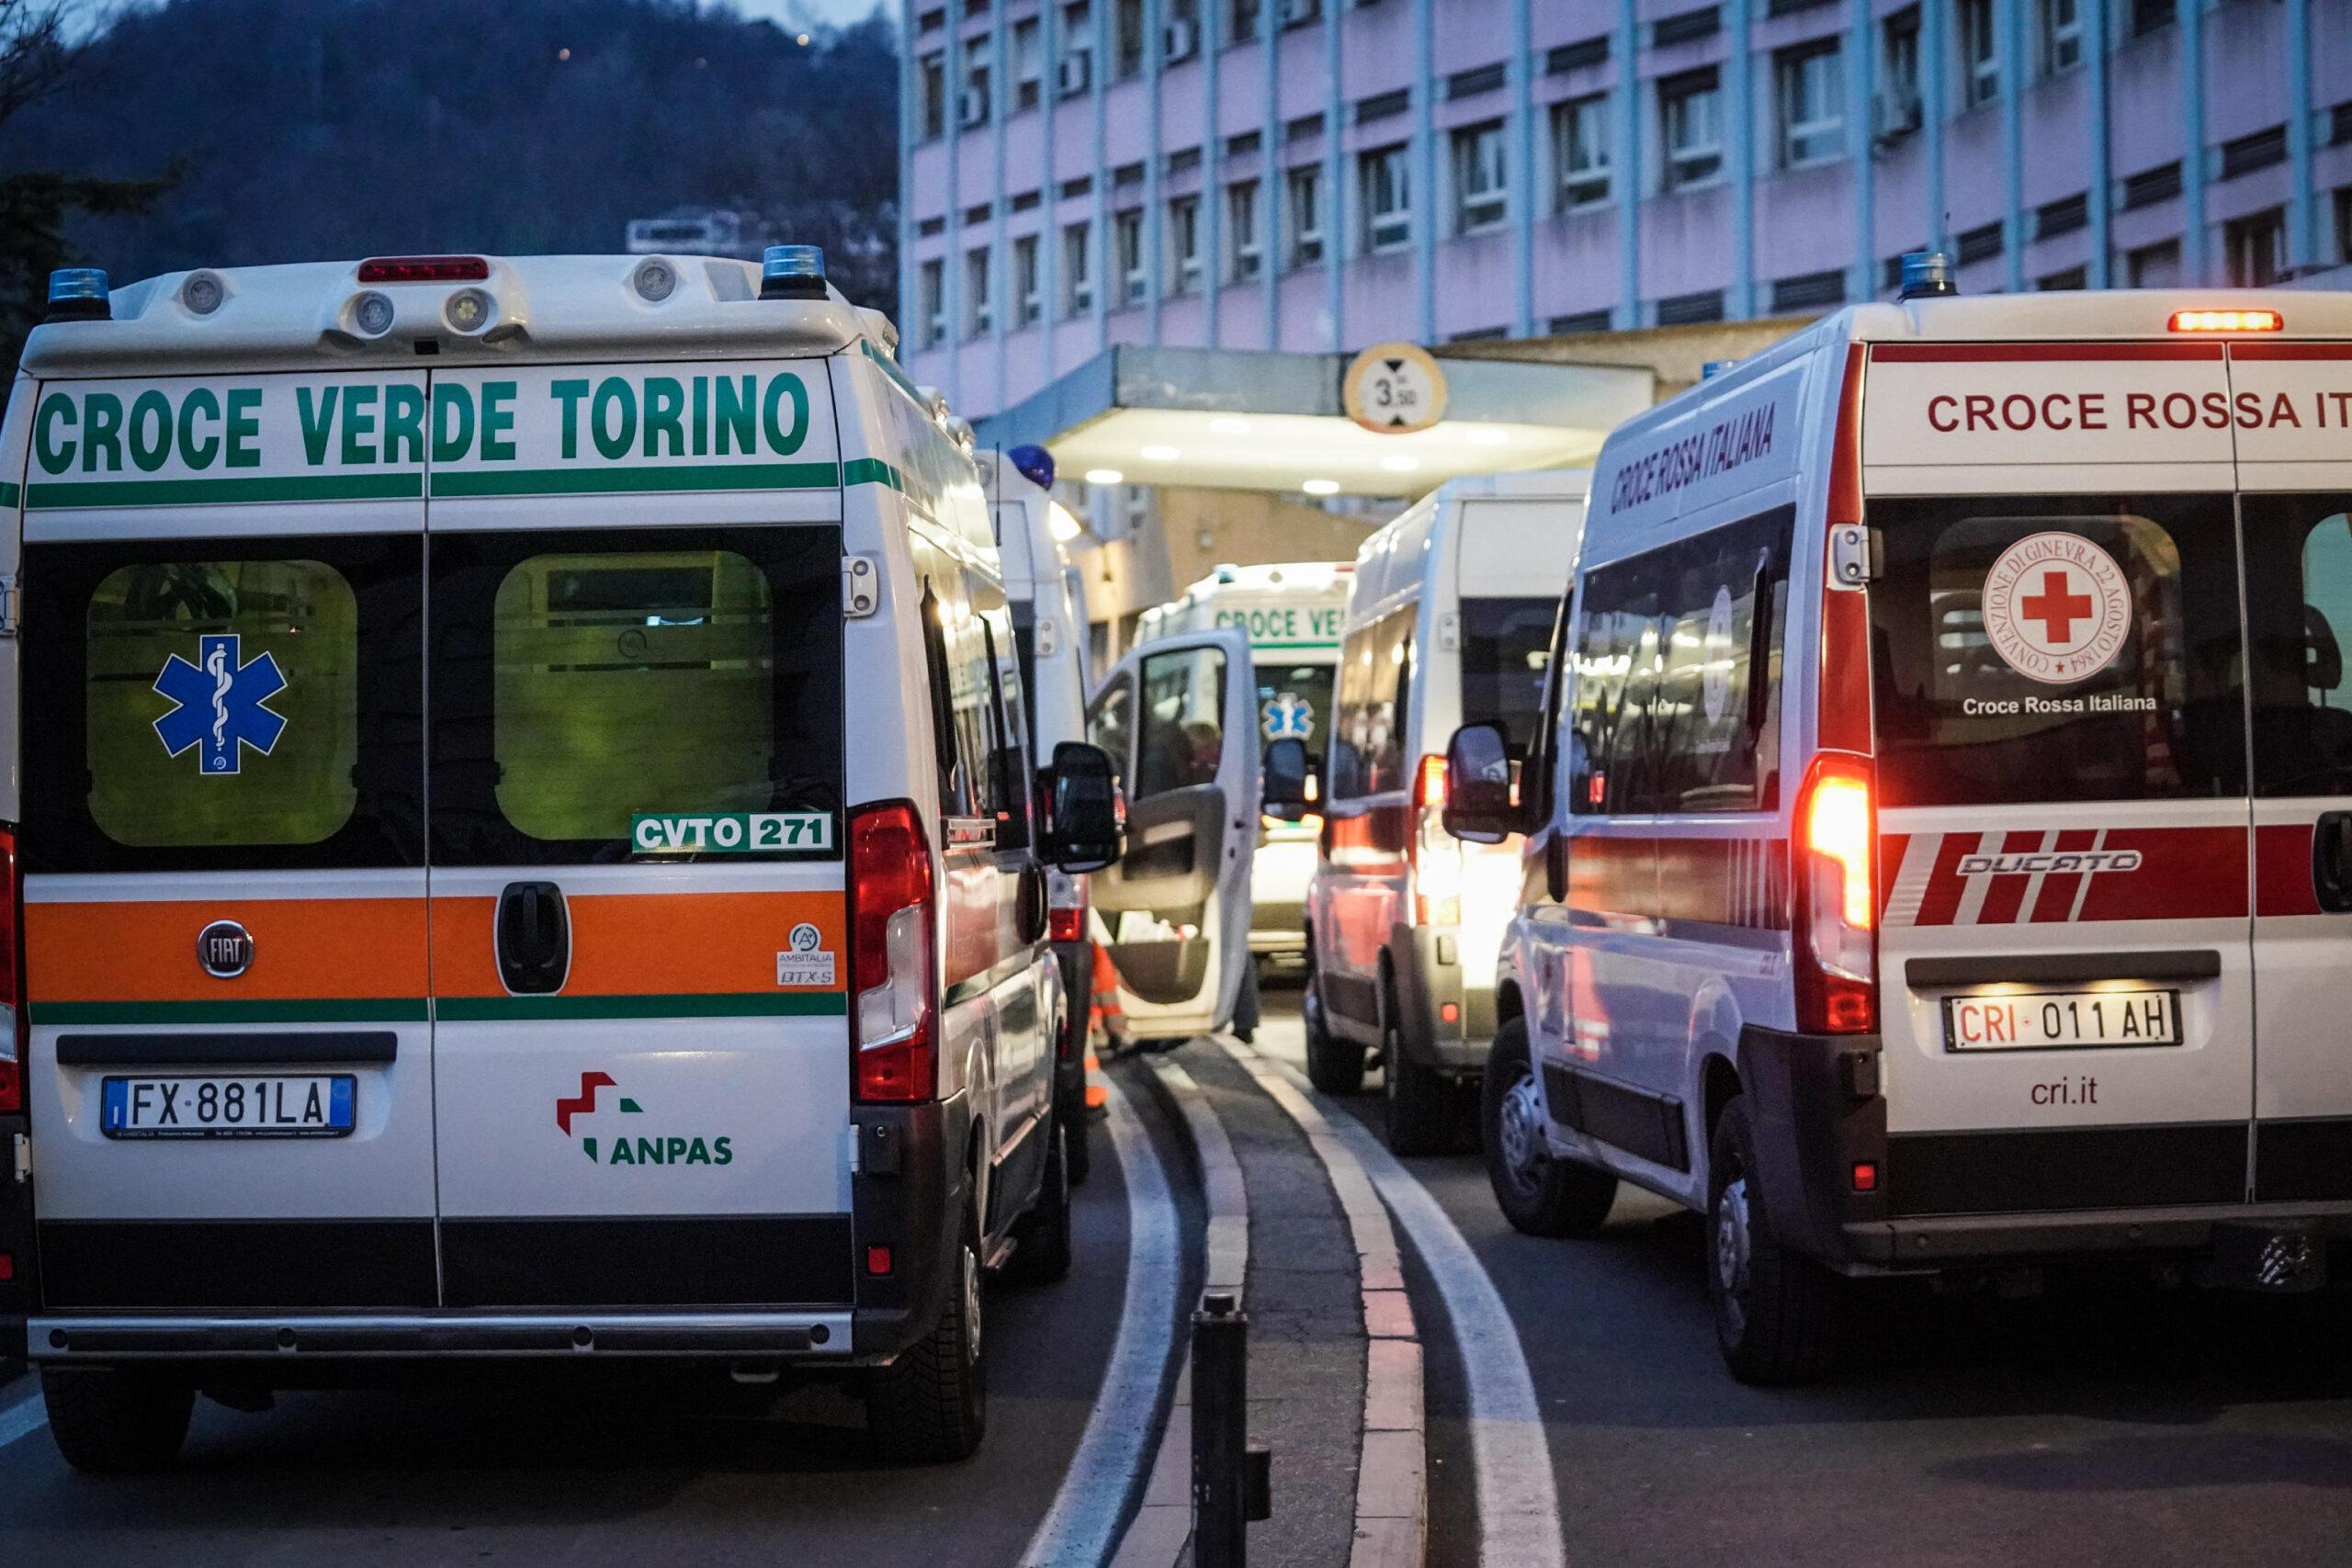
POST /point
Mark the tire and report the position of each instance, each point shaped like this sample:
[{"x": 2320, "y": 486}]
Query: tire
[
  {"x": 1044, "y": 1256},
  {"x": 1420, "y": 1102},
  {"x": 113, "y": 1423},
  {"x": 1537, "y": 1193},
  {"x": 1776, "y": 1310},
  {"x": 930, "y": 1405},
  {"x": 1334, "y": 1065},
  {"x": 1078, "y": 1141}
]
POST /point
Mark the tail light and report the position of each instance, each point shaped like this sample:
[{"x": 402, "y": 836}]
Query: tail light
[
  {"x": 424, "y": 270},
  {"x": 893, "y": 913},
  {"x": 14, "y": 1018},
  {"x": 1436, "y": 855},
  {"x": 1065, "y": 905},
  {"x": 1837, "y": 902}
]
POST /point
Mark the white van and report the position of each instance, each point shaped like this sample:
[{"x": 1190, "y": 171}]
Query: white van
[
  {"x": 1944, "y": 852},
  {"x": 1292, "y": 612},
  {"x": 524, "y": 838},
  {"x": 1049, "y": 638},
  {"x": 1450, "y": 618}
]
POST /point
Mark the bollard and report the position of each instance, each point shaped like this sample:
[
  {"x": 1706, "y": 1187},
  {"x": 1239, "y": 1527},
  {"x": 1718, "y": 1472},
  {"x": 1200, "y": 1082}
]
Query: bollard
[{"x": 1221, "y": 1464}]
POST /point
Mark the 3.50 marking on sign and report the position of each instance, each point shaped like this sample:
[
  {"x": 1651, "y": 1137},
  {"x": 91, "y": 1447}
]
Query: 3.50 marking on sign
[{"x": 734, "y": 834}]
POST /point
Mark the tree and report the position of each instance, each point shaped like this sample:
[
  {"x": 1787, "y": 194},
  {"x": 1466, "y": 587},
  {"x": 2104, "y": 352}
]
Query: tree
[{"x": 38, "y": 56}]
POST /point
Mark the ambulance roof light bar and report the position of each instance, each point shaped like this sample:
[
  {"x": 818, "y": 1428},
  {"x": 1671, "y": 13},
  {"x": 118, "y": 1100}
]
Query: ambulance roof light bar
[
  {"x": 79, "y": 294},
  {"x": 1926, "y": 274},
  {"x": 792, "y": 272},
  {"x": 2228, "y": 321},
  {"x": 424, "y": 269}
]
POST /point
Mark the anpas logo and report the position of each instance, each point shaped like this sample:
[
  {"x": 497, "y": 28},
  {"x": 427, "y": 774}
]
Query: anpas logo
[
  {"x": 217, "y": 705},
  {"x": 669, "y": 1149}
]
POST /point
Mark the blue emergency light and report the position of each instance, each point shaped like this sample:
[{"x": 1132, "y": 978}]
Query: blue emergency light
[
  {"x": 78, "y": 294},
  {"x": 792, "y": 272}
]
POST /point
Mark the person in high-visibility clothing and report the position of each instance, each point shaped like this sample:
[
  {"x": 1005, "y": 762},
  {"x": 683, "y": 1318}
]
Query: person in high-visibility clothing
[{"x": 1108, "y": 1021}]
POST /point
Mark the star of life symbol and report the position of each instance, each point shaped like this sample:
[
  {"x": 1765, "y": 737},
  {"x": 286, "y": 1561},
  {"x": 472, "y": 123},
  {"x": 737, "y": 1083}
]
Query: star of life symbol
[
  {"x": 1289, "y": 713},
  {"x": 217, "y": 705}
]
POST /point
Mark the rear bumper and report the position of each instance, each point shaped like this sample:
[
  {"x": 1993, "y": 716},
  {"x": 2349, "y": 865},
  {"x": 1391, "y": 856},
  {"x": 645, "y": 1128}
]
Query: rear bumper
[
  {"x": 1278, "y": 927},
  {"x": 1954, "y": 1200},
  {"x": 825, "y": 1335}
]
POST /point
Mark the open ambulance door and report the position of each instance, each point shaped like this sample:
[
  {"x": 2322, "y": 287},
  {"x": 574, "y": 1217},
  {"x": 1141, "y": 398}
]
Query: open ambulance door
[{"x": 1179, "y": 719}]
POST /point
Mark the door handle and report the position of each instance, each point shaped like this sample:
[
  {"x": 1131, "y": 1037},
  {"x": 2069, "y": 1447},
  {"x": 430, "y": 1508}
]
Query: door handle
[
  {"x": 2331, "y": 861},
  {"x": 533, "y": 934}
]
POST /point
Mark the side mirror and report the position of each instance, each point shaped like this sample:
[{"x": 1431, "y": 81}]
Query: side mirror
[
  {"x": 1481, "y": 808},
  {"x": 1090, "y": 821},
  {"x": 1289, "y": 775}
]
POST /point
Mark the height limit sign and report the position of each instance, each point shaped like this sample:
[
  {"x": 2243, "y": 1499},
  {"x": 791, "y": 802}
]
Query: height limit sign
[{"x": 1393, "y": 388}]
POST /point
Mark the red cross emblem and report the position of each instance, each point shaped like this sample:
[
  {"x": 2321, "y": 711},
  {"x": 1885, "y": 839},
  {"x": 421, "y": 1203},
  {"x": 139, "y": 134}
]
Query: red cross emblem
[{"x": 2056, "y": 609}]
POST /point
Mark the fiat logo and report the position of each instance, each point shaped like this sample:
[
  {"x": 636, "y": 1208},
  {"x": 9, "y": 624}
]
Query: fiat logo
[{"x": 225, "y": 949}]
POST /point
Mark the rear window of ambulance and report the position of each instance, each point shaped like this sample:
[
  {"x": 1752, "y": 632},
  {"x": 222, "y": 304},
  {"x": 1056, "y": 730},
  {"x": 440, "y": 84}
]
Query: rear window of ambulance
[{"x": 2057, "y": 648}]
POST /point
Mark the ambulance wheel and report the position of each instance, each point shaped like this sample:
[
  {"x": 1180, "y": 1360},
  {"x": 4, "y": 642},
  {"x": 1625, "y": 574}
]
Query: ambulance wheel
[
  {"x": 1420, "y": 1102},
  {"x": 1042, "y": 1257},
  {"x": 1776, "y": 1310},
  {"x": 111, "y": 1423},
  {"x": 1334, "y": 1065},
  {"x": 1078, "y": 1144},
  {"x": 1537, "y": 1193},
  {"x": 932, "y": 1404}
]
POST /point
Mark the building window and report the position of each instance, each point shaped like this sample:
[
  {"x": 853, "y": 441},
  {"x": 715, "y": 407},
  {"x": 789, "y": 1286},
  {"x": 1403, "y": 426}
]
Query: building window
[
  {"x": 1075, "y": 74},
  {"x": 2060, "y": 30},
  {"x": 1813, "y": 104},
  {"x": 1246, "y": 17},
  {"x": 2150, "y": 16},
  {"x": 1126, "y": 235},
  {"x": 1028, "y": 65},
  {"x": 2058, "y": 282},
  {"x": 1690, "y": 124},
  {"x": 1898, "y": 107},
  {"x": 1245, "y": 251},
  {"x": 973, "y": 107},
  {"x": 1077, "y": 270},
  {"x": 1304, "y": 187},
  {"x": 2343, "y": 225},
  {"x": 1980, "y": 53},
  {"x": 933, "y": 70},
  {"x": 2257, "y": 248},
  {"x": 1579, "y": 152},
  {"x": 1387, "y": 198},
  {"x": 1028, "y": 293},
  {"x": 1127, "y": 42},
  {"x": 2154, "y": 267},
  {"x": 1183, "y": 245},
  {"x": 979, "y": 314},
  {"x": 1481, "y": 196},
  {"x": 931, "y": 288}
]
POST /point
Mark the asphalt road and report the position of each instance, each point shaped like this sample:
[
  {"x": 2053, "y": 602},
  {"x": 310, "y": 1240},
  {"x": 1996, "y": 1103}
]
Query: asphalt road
[
  {"x": 559, "y": 1472},
  {"x": 2104, "y": 1422}
]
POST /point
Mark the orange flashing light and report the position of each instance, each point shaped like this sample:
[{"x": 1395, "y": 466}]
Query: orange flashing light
[{"x": 2228, "y": 321}]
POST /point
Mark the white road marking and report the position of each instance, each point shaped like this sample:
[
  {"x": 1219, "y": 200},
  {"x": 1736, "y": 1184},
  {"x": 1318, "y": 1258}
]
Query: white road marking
[
  {"x": 1082, "y": 1525},
  {"x": 1518, "y": 1504},
  {"x": 23, "y": 1418}
]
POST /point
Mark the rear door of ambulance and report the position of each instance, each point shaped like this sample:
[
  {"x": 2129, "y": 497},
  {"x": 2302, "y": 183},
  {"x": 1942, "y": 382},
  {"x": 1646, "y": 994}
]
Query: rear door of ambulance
[
  {"x": 2294, "y": 402},
  {"x": 231, "y": 1070},
  {"x": 637, "y": 732},
  {"x": 2065, "y": 953}
]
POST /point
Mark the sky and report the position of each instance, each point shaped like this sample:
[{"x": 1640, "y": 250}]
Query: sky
[{"x": 834, "y": 11}]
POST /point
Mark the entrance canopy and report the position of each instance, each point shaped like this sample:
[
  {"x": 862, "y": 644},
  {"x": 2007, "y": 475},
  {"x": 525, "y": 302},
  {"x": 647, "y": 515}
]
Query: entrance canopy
[{"x": 1236, "y": 418}]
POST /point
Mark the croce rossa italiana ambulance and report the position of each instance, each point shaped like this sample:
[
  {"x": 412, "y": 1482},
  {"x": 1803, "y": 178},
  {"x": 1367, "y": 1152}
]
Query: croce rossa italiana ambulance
[
  {"x": 522, "y": 842},
  {"x": 1941, "y": 862}
]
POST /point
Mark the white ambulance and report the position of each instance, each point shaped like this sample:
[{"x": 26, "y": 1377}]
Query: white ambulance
[
  {"x": 1293, "y": 612},
  {"x": 1049, "y": 637},
  {"x": 1943, "y": 856},
  {"x": 1450, "y": 617},
  {"x": 524, "y": 842}
]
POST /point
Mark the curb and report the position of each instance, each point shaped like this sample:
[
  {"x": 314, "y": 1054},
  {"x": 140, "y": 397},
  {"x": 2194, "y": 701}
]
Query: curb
[
  {"x": 1161, "y": 1532},
  {"x": 1392, "y": 1471}
]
